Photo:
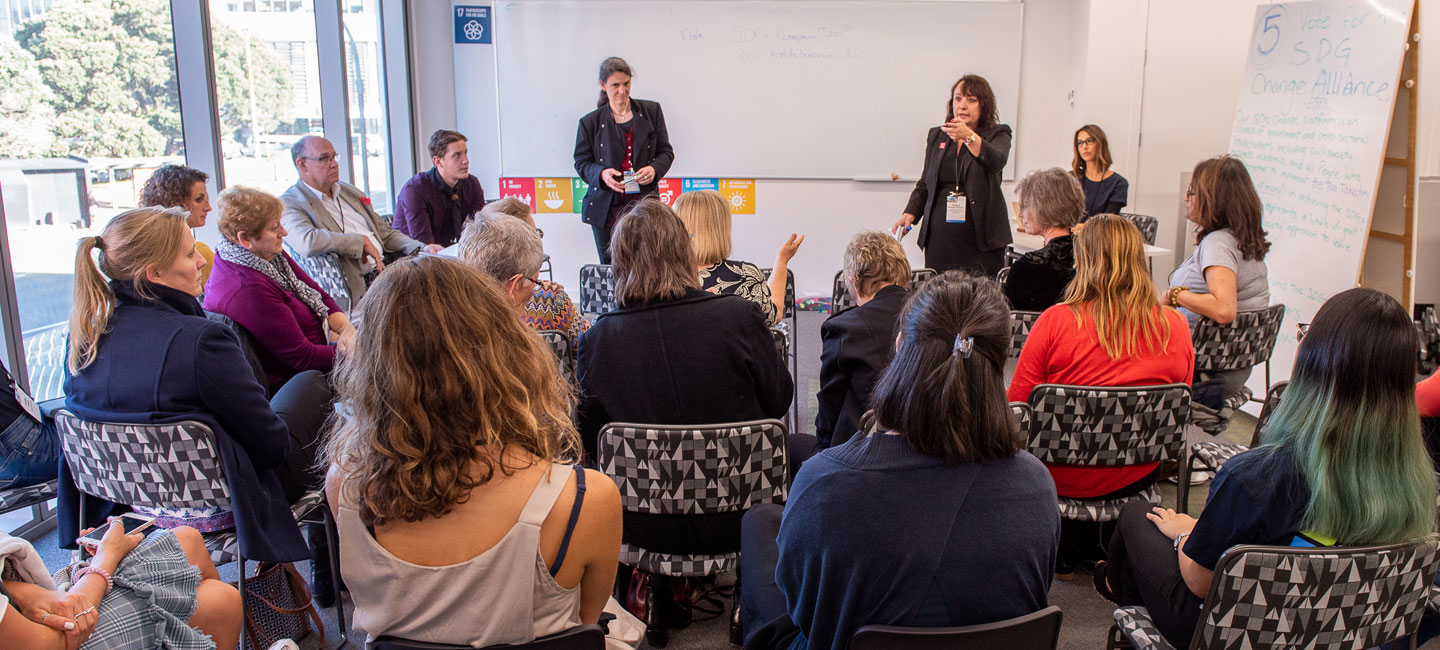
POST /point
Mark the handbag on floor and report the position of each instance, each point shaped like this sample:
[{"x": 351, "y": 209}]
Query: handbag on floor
[{"x": 278, "y": 605}]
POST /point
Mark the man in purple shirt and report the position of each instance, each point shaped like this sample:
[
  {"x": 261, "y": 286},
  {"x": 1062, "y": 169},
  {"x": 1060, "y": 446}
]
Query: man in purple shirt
[{"x": 433, "y": 205}]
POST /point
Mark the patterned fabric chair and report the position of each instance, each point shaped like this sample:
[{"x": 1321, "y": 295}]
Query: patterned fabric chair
[
  {"x": 692, "y": 470},
  {"x": 173, "y": 465},
  {"x": 564, "y": 350},
  {"x": 1302, "y": 597},
  {"x": 1208, "y": 456},
  {"x": 1010, "y": 256},
  {"x": 1429, "y": 327},
  {"x": 325, "y": 271},
  {"x": 790, "y": 324},
  {"x": 1106, "y": 427},
  {"x": 841, "y": 298},
  {"x": 24, "y": 497},
  {"x": 1245, "y": 343},
  {"x": 1023, "y": 417},
  {"x": 1035, "y": 631},
  {"x": 1021, "y": 322},
  {"x": 584, "y": 637},
  {"x": 1149, "y": 226},
  {"x": 597, "y": 290},
  {"x": 247, "y": 346}
]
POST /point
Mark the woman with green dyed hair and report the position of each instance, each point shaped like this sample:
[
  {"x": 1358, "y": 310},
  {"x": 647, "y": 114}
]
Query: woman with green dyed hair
[{"x": 1342, "y": 464}]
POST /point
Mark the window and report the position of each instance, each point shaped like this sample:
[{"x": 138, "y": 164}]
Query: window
[
  {"x": 78, "y": 152},
  {"x": 369, "y": 132},
  {"x": 267, "y": 82}
]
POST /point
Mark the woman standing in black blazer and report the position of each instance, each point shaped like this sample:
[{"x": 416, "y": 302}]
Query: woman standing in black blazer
[
  {"x": 621, "y": 136},
  {"x": 959, "y": 189}
]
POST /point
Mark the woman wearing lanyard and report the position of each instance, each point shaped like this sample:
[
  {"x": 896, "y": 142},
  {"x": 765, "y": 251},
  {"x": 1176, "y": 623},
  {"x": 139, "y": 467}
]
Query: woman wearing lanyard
[
  {"x": 621, "y": 150},
  {"x": 959, "y": 189}
]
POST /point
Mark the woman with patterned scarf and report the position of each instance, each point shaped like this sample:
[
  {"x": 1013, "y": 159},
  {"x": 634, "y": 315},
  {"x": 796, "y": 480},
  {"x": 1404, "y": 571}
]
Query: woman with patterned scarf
[{"x": 296, "y": 325}]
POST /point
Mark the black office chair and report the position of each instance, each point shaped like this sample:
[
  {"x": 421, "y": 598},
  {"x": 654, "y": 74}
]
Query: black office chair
[
  {"x": 585, "y": 637},
  {"x": 1035, "y": 631}
]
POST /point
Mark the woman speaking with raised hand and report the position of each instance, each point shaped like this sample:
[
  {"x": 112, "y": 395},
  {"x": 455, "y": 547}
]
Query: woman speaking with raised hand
[{"x": 963, "y": 220}]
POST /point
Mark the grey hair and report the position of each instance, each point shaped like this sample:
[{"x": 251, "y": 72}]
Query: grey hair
[
  {"x": 1053, "y": 197},
  {"x": 501, "y": 246},
  {"x": 301, "y": 147}
]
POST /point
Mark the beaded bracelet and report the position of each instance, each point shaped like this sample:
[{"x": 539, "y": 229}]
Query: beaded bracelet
[{"x": 109, "y": 579}]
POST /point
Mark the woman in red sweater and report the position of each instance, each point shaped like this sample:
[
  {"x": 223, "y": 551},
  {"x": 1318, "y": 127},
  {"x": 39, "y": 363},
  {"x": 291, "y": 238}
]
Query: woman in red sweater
[{"x": 1110, "y": 330}]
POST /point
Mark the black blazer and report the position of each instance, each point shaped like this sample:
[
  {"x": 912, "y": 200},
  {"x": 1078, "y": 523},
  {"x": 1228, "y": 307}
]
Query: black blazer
[
  {"x": 600, "y": 145},
  {"x": 702, "y": 359},
  {"x": 856, "y": 345},
  {"x": 980, "y": 182}
]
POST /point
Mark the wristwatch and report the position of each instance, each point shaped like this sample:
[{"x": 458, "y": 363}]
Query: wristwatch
[{"x": 971, "y": 139}]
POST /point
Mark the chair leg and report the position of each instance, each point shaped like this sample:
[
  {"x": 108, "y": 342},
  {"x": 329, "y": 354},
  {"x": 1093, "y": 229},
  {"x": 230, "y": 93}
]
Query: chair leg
[
  {"x": 737, "y": 631},
  {"x": 656, "y": 592},
  {"x": 332, "y": 538},
  {"x": 1182, "y": 483},
  {"x": 1116, "y": 640},
  {"x": 244, "y": 615}
]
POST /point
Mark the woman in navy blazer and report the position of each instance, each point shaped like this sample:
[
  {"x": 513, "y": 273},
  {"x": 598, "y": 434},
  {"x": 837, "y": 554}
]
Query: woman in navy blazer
[
  {"x": 964, "y": 158},
  {"x": 620, "y": 135},
  {"x": 141, "y": 351}
]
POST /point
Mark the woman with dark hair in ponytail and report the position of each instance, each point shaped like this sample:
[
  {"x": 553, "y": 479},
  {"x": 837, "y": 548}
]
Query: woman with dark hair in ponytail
[
  {"x": 621, "y": 149},
  {"x": 936, "y": 513}
]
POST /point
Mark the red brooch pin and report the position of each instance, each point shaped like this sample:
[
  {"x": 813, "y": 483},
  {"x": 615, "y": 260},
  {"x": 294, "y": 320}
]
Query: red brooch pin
[
  {"x": 942, "y": 144},
  {"x": 365, "y": 200}
]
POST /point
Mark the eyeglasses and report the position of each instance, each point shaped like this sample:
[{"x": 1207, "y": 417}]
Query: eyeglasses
[
  {"x": 534, "y": 281},
  {"x": 1081, "y": 143},
  {"x": 324, "y": 160},
  {"x": 540, "y": 233}
]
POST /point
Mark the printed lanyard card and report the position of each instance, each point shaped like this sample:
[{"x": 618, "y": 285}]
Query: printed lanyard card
[
  {"x": 28, "y": 404},
  {"x": 955, "y": 208}
]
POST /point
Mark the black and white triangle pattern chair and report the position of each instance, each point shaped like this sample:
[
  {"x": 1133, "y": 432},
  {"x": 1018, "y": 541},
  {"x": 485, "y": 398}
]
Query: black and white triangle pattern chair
[
  {"x": 1314, "y": 598},
  {"x": 597, "y": 290},
  {"x": 1023, "y": 416},
  {"x": 1429, "y": 327},
  {"x": 841, "y": 298},
  {"x": 1149, "y": 226},
  {"x": 1021, "y": 322},
  {"x": 174, "y": 465},
  {"x": 564, "y": 350},
  {"x": 325, "y": 271},
  {"x": 1208, "y": 455},
  {"x": 1245, "y": 343},
  {"x": 24, "y": 497},
  {"x": 1107, "y": 427},
  {"x": 789, "y": 324}
]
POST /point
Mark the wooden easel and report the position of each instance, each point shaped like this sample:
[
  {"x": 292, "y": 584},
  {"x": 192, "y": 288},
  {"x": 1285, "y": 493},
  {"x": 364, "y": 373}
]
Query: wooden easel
[{"x": 1409, "y": 80}]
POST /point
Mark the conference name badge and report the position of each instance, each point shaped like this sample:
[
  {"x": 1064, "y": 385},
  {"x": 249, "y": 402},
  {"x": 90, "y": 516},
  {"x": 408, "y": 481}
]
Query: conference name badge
[
  {"x": 632, "y": 186},
  {"x": 955, "y": 208}
]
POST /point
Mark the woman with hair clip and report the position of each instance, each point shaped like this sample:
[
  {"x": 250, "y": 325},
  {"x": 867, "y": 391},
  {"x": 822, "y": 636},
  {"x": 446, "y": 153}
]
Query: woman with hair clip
[
  {"x": 141, "y": 351},
  {"x": 937, "y": 514},
  {"x": 622, "y": 150},
  {"x": 1105, "y": 190},
  {"x": 451, "y": 471},
  {"x": 1344, "y": 467},
  {"x": 1109, "y": 331}
]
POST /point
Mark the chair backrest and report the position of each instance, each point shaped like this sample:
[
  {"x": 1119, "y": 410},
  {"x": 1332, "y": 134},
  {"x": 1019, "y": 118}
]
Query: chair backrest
[
  {"x": 1035, "y": 631},
  {"x": 1021, "y": 322},
  {"x": 1002, "y": 276},
  {"x": 1272, "y": 400},
  {"x": 1023, "y": 417},
  {"x": 1245, "y": 342},
  {"x": 584, "y": 637},
  {"x": 247, "y": 345},
  {"x": 782, "y": 342},
  {"x": 1091, "y": 425},
  {"x": 1010, "y": 256},
  {"x": 1316, "y": 598},
  {"x": 597, "y": 289},
  {"x": 691, "y": 470},
  {"x": 325, "y": 271},
  {"x": 1429, "y": 328},
  {"x": 149, "y": 465},
  {"x": 841, "y": 298},
  {"x": 1149, "y": 226},
  {"x": 564, "y": 350},
  {"x": 789, "y": 291}
]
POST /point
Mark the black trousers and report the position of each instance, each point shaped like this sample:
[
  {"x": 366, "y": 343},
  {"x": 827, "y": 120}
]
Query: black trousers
[
  {"x": 304, "y": 403},
  {"x": 1144, "y": 569},
  {"x": 1085, "y": 541},
  {"x": 763, "y": 614}
]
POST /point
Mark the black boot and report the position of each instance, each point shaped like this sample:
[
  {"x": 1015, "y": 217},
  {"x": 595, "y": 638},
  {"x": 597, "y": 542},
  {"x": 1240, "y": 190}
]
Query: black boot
[{"x": 322, "y": 584}]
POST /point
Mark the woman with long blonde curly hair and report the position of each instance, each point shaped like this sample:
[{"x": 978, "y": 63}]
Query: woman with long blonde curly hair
[
  {"x": 1110, "y": 330},
  {"x": 451, "y": 470}
]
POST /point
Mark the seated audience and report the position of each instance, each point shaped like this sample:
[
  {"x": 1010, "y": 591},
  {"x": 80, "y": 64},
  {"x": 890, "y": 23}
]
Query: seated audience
[
  {"x": 1226, "y": 273},
  {"x": 175, "y": 186},
  {"x": 549, "y": 307},
  {"x": 324, "y": 215},
  {"x": 1050, "y": 205},
  {"x": 141, "y": 351},
  {"x": 505, "y": 249},
  {"x": 857, "y": 342},
  {"x": 1346, "y": 467},
  {"x": 674, "y": 354},
  {"x": 934, "y": 517},
  {"x": 137, "y": 592},
  {"x": 29, "y": 448},
  {"x": 1109, "y": 331},
  {"x": 259, "y": 287},
  {"x": 1106, "y": 192},
  {"x": 450, "y": 471},
  {"x": 706, "y": 215},
  {"x": 433, "y": 205}
]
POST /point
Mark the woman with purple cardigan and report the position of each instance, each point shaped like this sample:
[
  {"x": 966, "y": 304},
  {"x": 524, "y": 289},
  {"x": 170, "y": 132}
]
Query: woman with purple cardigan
[{"x": 297, "y": 326}]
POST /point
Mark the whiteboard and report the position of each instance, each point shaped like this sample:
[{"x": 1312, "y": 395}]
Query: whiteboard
[
  {"x": 1311, "y": 125},
  {"x": 753, "y": 89}
]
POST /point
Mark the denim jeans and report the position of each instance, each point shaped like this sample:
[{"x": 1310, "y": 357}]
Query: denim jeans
[{"x": 29, "y": 453}]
